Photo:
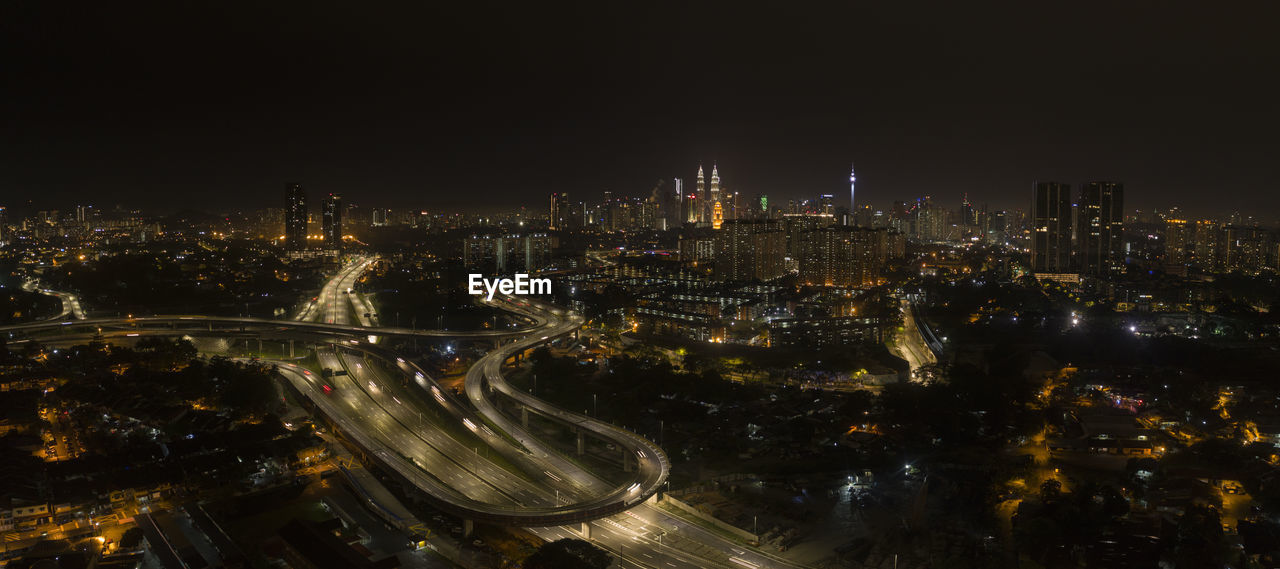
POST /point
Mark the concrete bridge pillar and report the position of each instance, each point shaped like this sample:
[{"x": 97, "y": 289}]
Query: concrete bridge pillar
[
  {"x": 291, "y": 349},
  {"x": 582, "y": 443},
  {"x": 524, "y": 416},
  {"x": 586, "y": 530},
  {"x": 497, "y": 342},
  {"x": 468, "y": 528}
]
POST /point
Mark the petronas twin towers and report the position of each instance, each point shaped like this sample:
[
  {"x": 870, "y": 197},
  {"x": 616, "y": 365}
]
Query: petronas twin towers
[{"x": 706, "y": 206}]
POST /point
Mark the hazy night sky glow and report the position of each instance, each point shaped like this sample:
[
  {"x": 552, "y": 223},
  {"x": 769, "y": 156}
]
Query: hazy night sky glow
[{"x": 175, "y": 106}]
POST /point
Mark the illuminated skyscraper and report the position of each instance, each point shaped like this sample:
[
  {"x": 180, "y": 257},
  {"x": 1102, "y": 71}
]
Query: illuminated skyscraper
[
  {"x": 700, "y": 193},
  {"x": 1100, "y": 238},
  {"x": 295, "y": 218},
  {"x": 968, "y": 216},
  {"x": 331, "y": 221},
  {"x": 1177, "y": 239},
  {"x": 1051, "y": 229},
  {"x": 715, "y": 184},
  {"x": 717, "y": 216},
  {"x": 675, "y": 211},
  {"x": 559, "y": 210},
  {"x": 827, "y": 204},
  {"x": 852, "y": 201}
]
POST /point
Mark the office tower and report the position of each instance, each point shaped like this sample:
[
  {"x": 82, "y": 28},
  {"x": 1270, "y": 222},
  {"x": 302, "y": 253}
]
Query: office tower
[
  {"x": 651, "y": 214},
  {"x": 931, "y": 223},
  {"x": 717, "y": 216},
  {"x": 1100, "y": 237},
  {"x": 559, "y": 210},
  {"x": 827, "y": 204},
  {"x": 295, "y": 218},
  {"x": 750, "y": 250},
  {"x": 764, "y": 205},
  {"x": 675, "y": 214},
  {"x": 968, "y": 217},
  {"x": 1001, "y": 220},
  {"x": 1177, "y": 239},
  {"x": 331, "y": 221},
  {"x": 1051, "y": 228}
]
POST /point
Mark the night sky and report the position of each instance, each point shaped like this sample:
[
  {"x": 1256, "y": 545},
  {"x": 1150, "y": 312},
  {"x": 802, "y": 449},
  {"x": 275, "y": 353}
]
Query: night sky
[{"x": 219, "y": 107}]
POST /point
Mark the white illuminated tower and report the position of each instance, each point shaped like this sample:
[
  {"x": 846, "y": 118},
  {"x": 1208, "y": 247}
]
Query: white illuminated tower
[
  {"x": 695, "y": 211},
  {"x": 715, "y": 183},
  {"x": 715, "y": 193},
  {"x": 852, "y": 202}
]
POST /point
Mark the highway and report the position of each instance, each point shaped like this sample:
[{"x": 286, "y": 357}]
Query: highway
[
  {"x": 643, "y": 535},
  {"x": 911, "y": 344},
  {"x": 208, "y": 323},
  {"x": 471, "y": 459},
  {"x": 646, "y": 536},
  {"x": 330, "y": 306},
  {"x": 70, "y": 302}
]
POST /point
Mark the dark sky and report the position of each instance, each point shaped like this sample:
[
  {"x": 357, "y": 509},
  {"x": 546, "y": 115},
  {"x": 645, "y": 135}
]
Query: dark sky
[{"x": 173, "y": 105}]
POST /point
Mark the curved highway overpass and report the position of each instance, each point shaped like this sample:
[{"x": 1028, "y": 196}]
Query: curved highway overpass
[
  {"x": 471, "y": 459},
  {"x": 485, "y": 378},
  {"x": 209, "y": 323},
  {"x": 373, "y": 403}
]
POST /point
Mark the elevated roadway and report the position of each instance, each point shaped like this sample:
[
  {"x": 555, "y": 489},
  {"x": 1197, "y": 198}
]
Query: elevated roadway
[{"x": 471, "y": 459}]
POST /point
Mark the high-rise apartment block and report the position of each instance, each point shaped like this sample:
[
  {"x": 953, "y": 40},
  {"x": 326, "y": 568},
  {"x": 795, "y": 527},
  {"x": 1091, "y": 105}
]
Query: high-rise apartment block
[
  {"x": 751, "y": 250},
  {"x": 331, "y": 221},
  {"x": 1100, "y": 237},
  {"x": 1051, "y": 228},
  {"x": 295, "y": 218}
]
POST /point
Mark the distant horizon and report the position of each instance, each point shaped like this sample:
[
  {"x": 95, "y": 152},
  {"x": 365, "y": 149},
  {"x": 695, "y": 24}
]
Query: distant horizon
[{"x": 457, "y": 206}]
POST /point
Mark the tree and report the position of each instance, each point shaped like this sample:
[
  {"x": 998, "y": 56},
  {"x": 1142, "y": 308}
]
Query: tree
[
  {"x": 1260, "y": 537},
  {"x": 1200, "y": 542},
  {"x": 568, "y": 554},
  {"x": 1050, "y": 491}
]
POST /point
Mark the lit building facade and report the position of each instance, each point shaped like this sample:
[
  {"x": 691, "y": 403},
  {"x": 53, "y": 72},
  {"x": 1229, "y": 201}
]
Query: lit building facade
[
  {"x": 295, "y": 218},
  {"x": 1051, "y": 229},
  {"x": 331, "y": 221},
  {"x": 751, "y": 250},
  {"x": 1100, "y": 237}
]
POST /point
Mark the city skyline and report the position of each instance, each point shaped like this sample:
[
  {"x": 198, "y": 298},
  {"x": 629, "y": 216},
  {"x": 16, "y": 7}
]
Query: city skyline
[{"x": 582, "y": 286}]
